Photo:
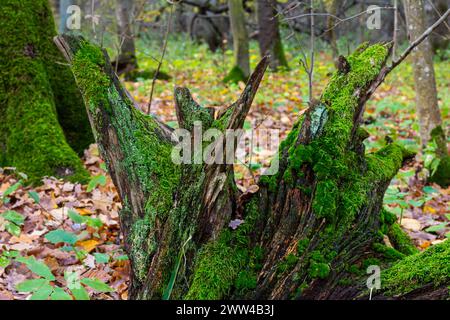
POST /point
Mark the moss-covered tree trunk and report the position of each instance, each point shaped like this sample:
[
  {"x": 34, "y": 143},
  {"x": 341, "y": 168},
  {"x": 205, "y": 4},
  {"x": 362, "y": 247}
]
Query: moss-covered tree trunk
[
  {"x": 269, "y": 34},
  {"x": 43, "y": 123},
  {"x": 309, "y": 232},
  {"x": 241, "y": 68}
]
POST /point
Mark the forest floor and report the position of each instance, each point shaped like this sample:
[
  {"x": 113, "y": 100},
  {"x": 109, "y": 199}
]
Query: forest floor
[{"x": 74, "y": 229}]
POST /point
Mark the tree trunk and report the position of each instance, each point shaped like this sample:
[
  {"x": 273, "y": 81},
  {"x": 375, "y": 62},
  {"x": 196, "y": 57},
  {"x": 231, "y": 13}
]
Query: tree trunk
[
  {"x": 126, "y": 62},
  {"x": 269, "y": 34},
  {"x": 63, "y": 16},
  {"x": 306, "y": 230},
  {"x": 241, "y": 68},
  {"x": 332, "y": 6},
  {"x": 43, "y": 123},
  {"x": 426, "y": 93}
]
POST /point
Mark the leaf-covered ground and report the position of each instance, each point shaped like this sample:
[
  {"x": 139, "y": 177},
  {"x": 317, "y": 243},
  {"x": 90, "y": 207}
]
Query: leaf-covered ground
[{"x": 65, "y": 237}]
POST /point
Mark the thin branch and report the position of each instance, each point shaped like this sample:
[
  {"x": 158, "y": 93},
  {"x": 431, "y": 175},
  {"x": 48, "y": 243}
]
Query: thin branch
[
  {"x": 438, "y": 13},
  {"x": 419, "y": 40}
]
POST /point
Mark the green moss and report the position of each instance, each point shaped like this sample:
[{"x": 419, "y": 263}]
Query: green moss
[
  {"x": 235, "y": 75},
  {"x": 319, "y": 270},
  {"x": 288, "y": 263},
  {"x": 344, "y": 175},
  {"x": 401, "y": 241},
  {"x": 146, "y": 157},
  {"x": 191, "y": 110},
  {"x": 279, "y": 53},
  {"x": 389, "y": 253},
  {"x": 429, "y": 267},
  {"x": 442, "y": 174},
  {"x": 387, "y": 219},
  {"x": 370, "y": 262},
  {"x": 227, "y": 261},
  {"x": 302, "y": 245},
  {"x": 32, "y": 89},
  {"x": 141, "y": 247}
]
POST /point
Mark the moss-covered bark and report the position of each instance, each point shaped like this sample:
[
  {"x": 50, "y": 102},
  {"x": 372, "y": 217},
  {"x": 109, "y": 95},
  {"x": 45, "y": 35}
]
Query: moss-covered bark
[
  {"x": 43, "y": 123},
  {"x": 303, "y": 233}
]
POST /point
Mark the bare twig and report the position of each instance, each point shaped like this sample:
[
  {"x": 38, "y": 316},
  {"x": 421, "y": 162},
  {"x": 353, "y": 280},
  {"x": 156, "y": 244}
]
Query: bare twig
[{"x": 419, "y": 40}]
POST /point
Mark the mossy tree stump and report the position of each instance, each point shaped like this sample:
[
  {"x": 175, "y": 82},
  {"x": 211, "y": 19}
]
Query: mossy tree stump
[
  {"x": 43, "y": 122},
  {"x": 307, "y": 233}
]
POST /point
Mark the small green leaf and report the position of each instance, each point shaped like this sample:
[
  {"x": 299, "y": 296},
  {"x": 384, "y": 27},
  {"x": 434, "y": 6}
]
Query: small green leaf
[
  {"x": 60, "y": 294},
  {"x": 58, "y": 236},
  {"x": 14, "y": 216},
  {"x": 37, "y": 267},
  {"x": 122, "y": 257},
  {"x": 80, "y": 293},
  {"x": 12, "y": 189},
  {"x": 436, "y": 228},
  {"x": 415, "y": 203},
  {"x": 35, "y": 196},
  {"x": 101, "y": 257},
  {"x": 31, "y": 285},
  {"x": 95, "y": 181},
  {"x": 97, "y": 285},
  {"x": 72, "y": 280},
  {"x": 11, "y": 253},
  {"x": 94, "y": 222},
  {"x": 4, "y": 262},
  {"x": 42, "y": 293},
  {"x": 77, "y": 218},
  {"x": 429, "y": 190},
  {"x": 13, "y": 229}
]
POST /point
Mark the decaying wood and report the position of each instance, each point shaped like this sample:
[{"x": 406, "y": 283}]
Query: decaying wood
[{"x": 301, "y": 232}]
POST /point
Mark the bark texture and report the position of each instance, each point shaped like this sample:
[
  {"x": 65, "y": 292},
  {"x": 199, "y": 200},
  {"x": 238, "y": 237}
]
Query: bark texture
[
  {"x": 269, "y": 34},
  {"x": 426, "y": 93},
  {"x": 241, "y": 69},
  {"x": 308, "y": 233},
  {"x": 43, "y": 123}
]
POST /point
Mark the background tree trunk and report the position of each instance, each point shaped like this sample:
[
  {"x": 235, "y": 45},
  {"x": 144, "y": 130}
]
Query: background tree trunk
[
  {"x": 332, "y": 6},
  {"x": 126, "y": 62},
  {"x": 425, "y": 86},
  {"x": 269, "y": 34},
  {"x": 241, "y": 69},
  {"x": 63, "y": 5},
  {"x": 303, "y": 234},
  {"x": 43, "y": 123}
]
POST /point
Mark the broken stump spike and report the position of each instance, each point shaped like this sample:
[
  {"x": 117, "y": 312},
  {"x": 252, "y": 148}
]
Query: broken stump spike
[
  {"x": 189, "y": 111},
  {"x": 243, "y": 104}
]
